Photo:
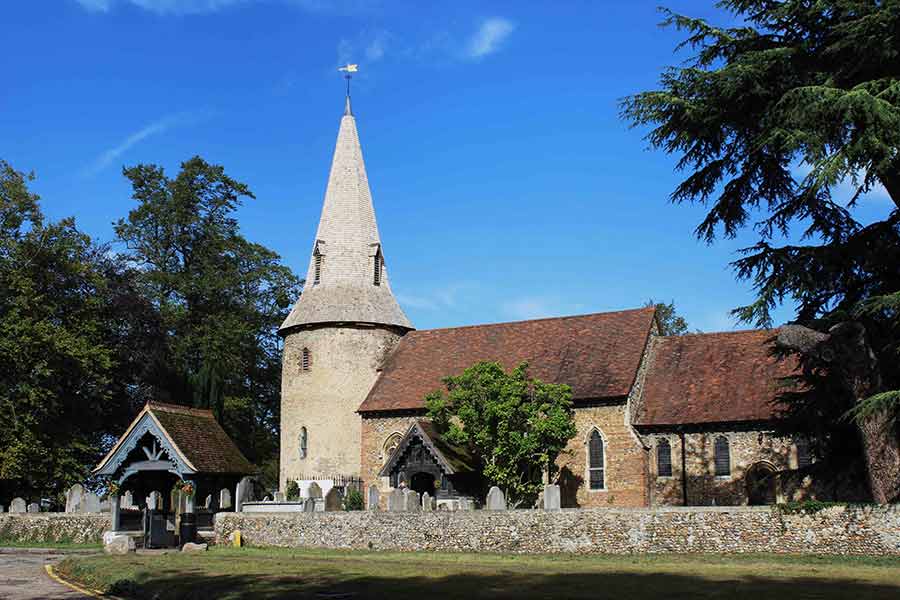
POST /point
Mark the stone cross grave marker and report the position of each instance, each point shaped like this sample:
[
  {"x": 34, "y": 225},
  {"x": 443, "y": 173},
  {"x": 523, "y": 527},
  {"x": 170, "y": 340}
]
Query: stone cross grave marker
[
  {"x": 374, "y": 497},
  {"x": 426, "y": 502},
  {"x": 17, "y": 505},
  {"x": 34, "y": 507},
  {"x": 314, "y": 491},
  {"x": 333, "y": 500},
  {"x": 224, "y": 498},
  {"x": 552, "y": 497},
  {"x": 495, "y": 499},
  {"x": 395, "y": 501},
  {"x": 75, "y": 499}
]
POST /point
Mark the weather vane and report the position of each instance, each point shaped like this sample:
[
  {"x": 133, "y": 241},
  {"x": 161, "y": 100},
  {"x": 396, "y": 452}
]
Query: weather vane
[{"x": 348, "y": 71}]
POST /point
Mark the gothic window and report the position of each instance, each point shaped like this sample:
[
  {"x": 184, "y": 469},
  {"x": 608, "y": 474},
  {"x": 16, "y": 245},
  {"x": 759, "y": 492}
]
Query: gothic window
[
  {"x": 379, "y": 264},
  {"x": 303, "y": 442},
  {"x": 722, "y": 457},
  {"x": 596, "y": 461},
  {"x": 317, "y": 266},
  {"x": 663, "y": 458},
  {"x": 803, "y": 456},
  {"x": 305, "y": 359}
]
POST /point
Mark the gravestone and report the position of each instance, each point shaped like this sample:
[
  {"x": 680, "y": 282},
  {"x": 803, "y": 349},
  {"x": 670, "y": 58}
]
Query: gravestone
[
  {"x": 412, "y": 503},
  {"x": 279, "y": 496},
  {"x": 314, "y": 491},
  {"x": 395, "y": 501},
  {"x": 224, "y": 498},
  {"x": 243, "y": 493},
  {"x": 495, "y": 499},
  {"x": 154, "y": 500},
  {"x": 466, "y": 504},
  {"x": 333, "y": 500},
  {"x": 2, "y": 508},
  {"x": 17, "y": 505},
  {"x": 75, "y": 499},
  {"x": 127, "y": 500},
  {"x": 374, "y": 497},
  {"x": 208, "y": 502},
  {"x": 34, "y": 507},
  {"x": 426, "y": 502},
  {"x": 309, "y": 505},
  {"x": 91, "y": 503},
  {"x": 552, "y": 497},
  {"x": 105, "y": 505}
]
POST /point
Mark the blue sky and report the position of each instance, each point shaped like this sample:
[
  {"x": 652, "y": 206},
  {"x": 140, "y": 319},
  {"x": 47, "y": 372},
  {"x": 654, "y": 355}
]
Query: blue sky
[{"x": 505, "y": 183}]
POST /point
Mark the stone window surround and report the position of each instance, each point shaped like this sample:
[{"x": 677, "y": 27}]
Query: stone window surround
[
  {"x": 730, "y": 443},
  {"x": 587, "y": 461},
  {"x": 656, "y": 459}
]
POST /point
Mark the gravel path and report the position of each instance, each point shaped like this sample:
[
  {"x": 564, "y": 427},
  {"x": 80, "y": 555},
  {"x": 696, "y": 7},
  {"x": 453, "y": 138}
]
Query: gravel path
[{"x": 22, "y": 577}]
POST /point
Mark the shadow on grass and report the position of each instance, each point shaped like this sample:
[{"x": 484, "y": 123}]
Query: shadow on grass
[{"x": 634, "y": 586}]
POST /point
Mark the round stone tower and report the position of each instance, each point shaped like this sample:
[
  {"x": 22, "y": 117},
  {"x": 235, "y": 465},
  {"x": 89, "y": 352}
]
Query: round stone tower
[{"x": 339, "y": 331}]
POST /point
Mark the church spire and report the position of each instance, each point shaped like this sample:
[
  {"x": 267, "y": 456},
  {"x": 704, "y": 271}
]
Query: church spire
[{"x": 347, "y": 281}]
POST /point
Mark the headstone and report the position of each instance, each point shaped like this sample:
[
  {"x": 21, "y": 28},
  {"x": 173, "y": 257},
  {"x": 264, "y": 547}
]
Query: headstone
[
  {"x": 75, "y": 499},
  {"x": 395, "y": 501},
  {"x": 309, "y": 505},
  {"x": 105, "y": 506},
  {"x": 374, "y": 497},
  {"x": 279, "y": 496},
  {"x": 267, "y": 499},
  {"x": 320, "y": 504},
  {"x": 208, "y": 502},
  {"x": 314, "y": 491},
  {"x": 412, "y": 503},
  {"x": 334, "y": 500},
  {"x": 34, "y": 507},
  {"x": 426, "y": 502},
  {"x": 243, "y": 493},
  {"x": 552, "y": 497},
  {"x": 127, "y": 500},
  {"x": 18, "y": 505},
  {"x": 2, "y": 508},
  {"x": 192, "y": 547},
  {"x": 117, "y": 543},
  {"x": 495, "y": 499},
  {"x": 91, "y": 503},
  {"x": 154, "y": 500},
  {"x": 224, "y": 498},
  {"x": 466, "y": 504}
]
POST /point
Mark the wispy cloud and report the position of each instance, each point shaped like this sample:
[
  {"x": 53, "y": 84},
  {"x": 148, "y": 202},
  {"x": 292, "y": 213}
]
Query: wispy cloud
[
  {"x": 157, "y": 127},
  {"x": 164, "y": 7},
  {"x": 491, "y": 34},
  {"x": 440, "y": 298}
]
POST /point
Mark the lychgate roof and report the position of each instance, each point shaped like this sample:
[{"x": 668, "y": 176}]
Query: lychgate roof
[
  {"x": 598, "y": 355},
  {"x": 346, "y": 248},
  {"x": 192, "y": 437},
  {"x": 712, "y": 378},
  {"x": 451, "y": 459}
]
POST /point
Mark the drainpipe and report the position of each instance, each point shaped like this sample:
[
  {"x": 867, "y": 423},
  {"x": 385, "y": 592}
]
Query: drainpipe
[{"x": 684, "y": 490}]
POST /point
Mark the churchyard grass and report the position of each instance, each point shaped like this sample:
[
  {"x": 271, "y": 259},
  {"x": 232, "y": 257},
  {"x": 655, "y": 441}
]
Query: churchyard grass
[{"x": 231, "y": 573}]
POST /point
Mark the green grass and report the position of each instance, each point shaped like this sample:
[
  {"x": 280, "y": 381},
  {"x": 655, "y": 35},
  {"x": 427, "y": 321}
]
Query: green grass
[{"x": 231, "y": 573}]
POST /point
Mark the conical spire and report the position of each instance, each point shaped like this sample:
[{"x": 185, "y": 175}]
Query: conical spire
[{"x": 347, "y": 281}]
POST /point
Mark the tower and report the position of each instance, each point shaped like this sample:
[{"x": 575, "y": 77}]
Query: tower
[{"x": 340, "y": 329}]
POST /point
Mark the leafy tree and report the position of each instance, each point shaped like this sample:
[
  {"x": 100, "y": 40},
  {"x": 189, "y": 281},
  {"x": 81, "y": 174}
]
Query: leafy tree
[
  {"x": 801, "y": 87},
  {"x": 516, "y": 426},
  {"x": 220, "y": 299},
  {"x": 670, "y": 322},
  {"x": 66, "y": 319}
]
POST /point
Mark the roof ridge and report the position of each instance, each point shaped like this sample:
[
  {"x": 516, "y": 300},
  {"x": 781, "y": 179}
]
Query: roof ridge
[
  {"x": 712, "y": 333},
  {"x": 179, "y": 408},
  {"x": 538, "y": 320}
]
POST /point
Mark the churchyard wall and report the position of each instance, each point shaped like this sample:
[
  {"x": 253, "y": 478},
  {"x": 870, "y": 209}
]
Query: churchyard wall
[
  {"x": 836, "y": 530},
  {"x": 45, "y": 528}
]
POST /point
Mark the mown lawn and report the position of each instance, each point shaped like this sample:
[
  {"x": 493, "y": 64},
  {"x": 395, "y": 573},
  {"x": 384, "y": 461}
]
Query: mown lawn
[{"x": 229, "y": 573}]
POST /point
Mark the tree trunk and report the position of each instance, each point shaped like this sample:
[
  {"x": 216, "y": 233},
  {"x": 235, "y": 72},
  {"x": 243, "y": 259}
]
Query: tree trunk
[{"x": 845, "y": 349}]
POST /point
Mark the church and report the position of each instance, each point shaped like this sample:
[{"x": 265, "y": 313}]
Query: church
[{"x": 681, "y": 420}]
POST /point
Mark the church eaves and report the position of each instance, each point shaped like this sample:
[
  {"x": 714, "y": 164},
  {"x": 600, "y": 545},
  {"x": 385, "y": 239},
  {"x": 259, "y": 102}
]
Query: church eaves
[{"x": 347, "y": 281}]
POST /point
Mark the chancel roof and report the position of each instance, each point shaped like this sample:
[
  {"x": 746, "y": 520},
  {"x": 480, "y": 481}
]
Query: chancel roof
[
  {"x": 598, "y": 355},
  {"x": 198, "y": 441},
  {"x": 713, "y": 378}
]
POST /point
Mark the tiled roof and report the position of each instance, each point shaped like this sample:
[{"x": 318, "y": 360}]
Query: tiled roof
[
  {"x": 598, "y": 355},
  {"x": 200, "y": 439},
  {"x": 712, "y": 378}
]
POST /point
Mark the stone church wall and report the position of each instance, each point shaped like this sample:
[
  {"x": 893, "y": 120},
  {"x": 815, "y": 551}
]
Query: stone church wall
[
  {"x": 837, "y": 530},
  {"x": 375, "y": 432}
]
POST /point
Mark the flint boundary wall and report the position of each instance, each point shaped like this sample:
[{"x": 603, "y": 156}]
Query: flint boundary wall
[
  {"x": 837, "y": 530},
  {"x": 46, "y": 528}
]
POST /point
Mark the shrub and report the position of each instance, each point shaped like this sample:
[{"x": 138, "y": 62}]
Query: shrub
[
  {"x": 354, "y": 500},
  {"x": 293, "y": 491}
]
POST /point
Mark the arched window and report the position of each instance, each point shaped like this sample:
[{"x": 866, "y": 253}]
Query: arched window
[
  {"x": 596, "y": 461},
  {"x": 663, "y": 458},
  {"x": 722, "y": 457},
  {"x": 804, "y": 459},
  {"x": 303, "y": 442},
  {"x": 390, "y": 445},
  {"x": 317, "y": 266},
  {"x": 305, "y": 359},
  {"x": 379, "y": 264}
]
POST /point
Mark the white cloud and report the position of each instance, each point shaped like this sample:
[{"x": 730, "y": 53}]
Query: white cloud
[
  {"x": 441, "y": 298},
  {"x": 376, "y": 48},
  {"x": 157, "y": 127},
  {"x": 532, "y": 307},
  {"x": 489, "y": 37},
  {"x": 164, "y": 7}
]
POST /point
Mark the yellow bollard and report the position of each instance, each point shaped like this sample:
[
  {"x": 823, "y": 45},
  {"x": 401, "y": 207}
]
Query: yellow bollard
[{"x": 236, "y": 538}]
